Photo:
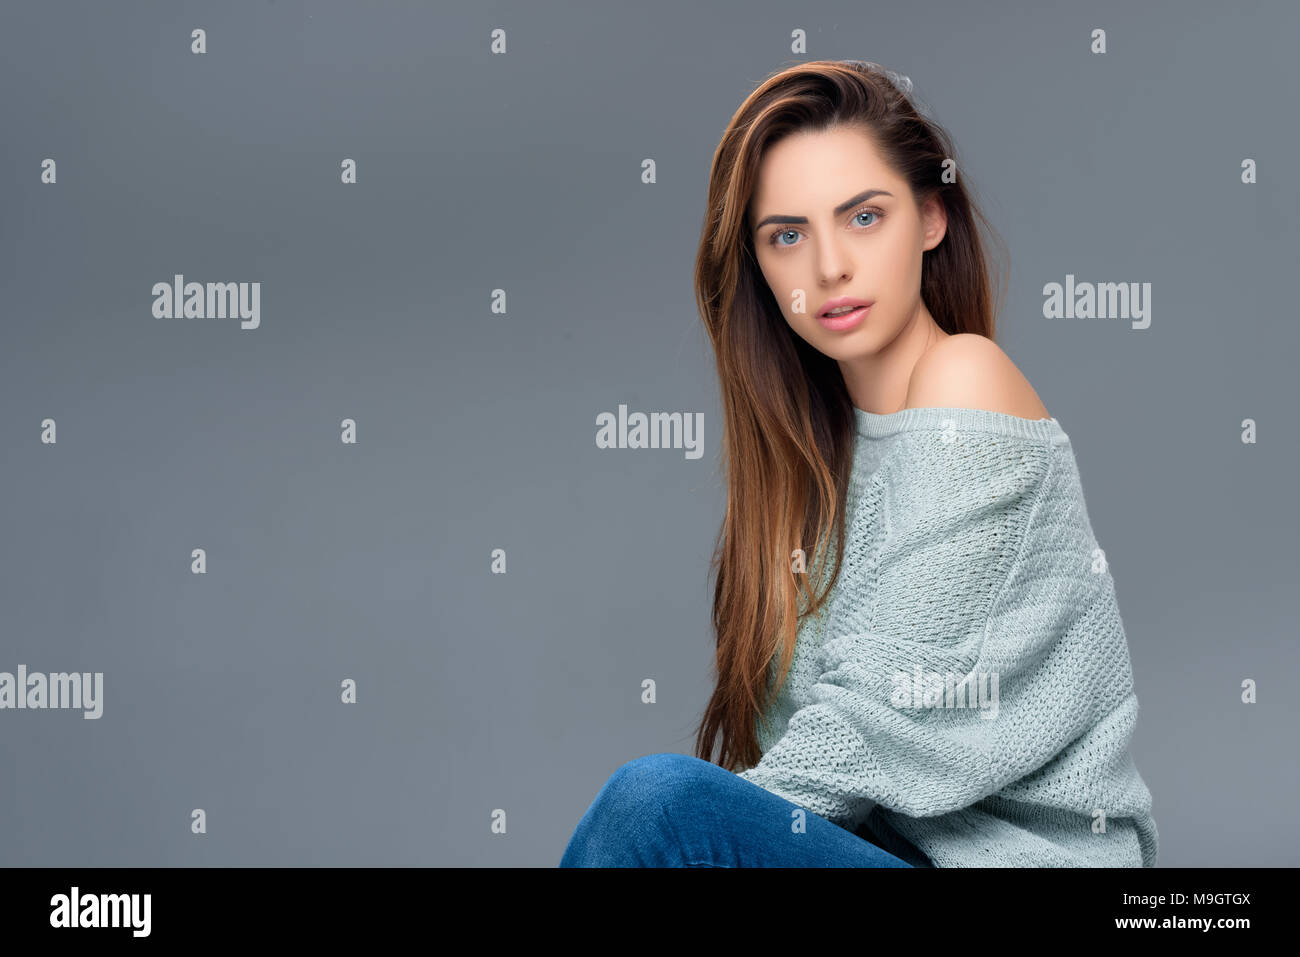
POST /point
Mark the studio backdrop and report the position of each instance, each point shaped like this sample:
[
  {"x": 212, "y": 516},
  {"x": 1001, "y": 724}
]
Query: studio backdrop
[{"x": 326, "y": 324}]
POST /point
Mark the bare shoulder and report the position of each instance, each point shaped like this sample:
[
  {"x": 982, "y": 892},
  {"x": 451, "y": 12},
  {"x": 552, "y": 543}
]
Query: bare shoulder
[{"x": 969, "y": 371}]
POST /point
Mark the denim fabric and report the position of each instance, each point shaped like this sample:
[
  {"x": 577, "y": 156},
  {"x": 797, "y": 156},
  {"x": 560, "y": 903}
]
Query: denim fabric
[{"x": 676, "y": 810}]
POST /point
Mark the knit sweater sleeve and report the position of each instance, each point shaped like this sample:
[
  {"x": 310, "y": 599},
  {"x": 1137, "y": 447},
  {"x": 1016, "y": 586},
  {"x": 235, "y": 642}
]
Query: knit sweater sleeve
[{"x": 982, "y": 583}]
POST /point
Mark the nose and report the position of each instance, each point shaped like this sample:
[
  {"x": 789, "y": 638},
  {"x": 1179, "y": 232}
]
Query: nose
[{"x": 833, "y": 263}]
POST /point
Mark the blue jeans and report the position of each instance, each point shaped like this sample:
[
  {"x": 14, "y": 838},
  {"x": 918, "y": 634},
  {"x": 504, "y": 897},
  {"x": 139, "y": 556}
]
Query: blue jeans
[{"x": 676, "y": 810}]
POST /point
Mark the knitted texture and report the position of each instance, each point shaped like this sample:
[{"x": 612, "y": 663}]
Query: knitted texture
[{"x": 968, "y": 686}]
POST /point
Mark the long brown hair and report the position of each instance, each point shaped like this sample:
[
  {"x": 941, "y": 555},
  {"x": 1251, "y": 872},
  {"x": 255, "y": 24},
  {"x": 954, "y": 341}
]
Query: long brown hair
[{"x": 788, "y": 421}]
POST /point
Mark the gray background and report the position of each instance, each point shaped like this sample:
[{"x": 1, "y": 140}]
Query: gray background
[{"x": 476, "y": 431}]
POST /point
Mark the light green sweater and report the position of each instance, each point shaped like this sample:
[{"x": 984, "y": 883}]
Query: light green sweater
[{"x": 968, "y": 687}]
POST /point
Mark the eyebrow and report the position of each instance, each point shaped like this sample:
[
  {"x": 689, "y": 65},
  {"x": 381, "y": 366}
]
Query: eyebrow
[{"x": 843, "y": 207}]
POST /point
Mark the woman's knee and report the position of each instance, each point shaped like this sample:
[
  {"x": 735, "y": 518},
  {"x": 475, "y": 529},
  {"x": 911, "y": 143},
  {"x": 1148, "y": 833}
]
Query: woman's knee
[
  {"x": 665, "y": 766},
  {"x": 652, "y": 778}
]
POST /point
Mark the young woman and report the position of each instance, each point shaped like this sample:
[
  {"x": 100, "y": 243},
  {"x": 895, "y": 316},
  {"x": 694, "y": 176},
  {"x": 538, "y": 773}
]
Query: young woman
[{"x": 920, "y": 659}]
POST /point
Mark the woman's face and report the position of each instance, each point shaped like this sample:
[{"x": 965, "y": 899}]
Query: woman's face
[{"x": 831, "y": 220}]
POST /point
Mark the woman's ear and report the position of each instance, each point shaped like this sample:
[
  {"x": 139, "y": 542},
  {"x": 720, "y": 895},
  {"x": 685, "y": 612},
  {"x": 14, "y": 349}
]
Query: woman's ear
[{"x": 934, "y": 219}]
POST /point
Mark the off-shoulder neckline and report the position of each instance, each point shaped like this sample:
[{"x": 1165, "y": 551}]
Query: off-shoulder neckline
[{"x": 874, "y": 425}]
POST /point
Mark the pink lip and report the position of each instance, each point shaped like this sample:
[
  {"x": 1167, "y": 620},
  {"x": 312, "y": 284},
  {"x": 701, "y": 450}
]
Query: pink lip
[{"x": 849, "y": 319}]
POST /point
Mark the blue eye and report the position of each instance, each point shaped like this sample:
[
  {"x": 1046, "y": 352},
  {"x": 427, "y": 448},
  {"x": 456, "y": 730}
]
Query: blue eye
[{"x": 776, "y": 236}]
